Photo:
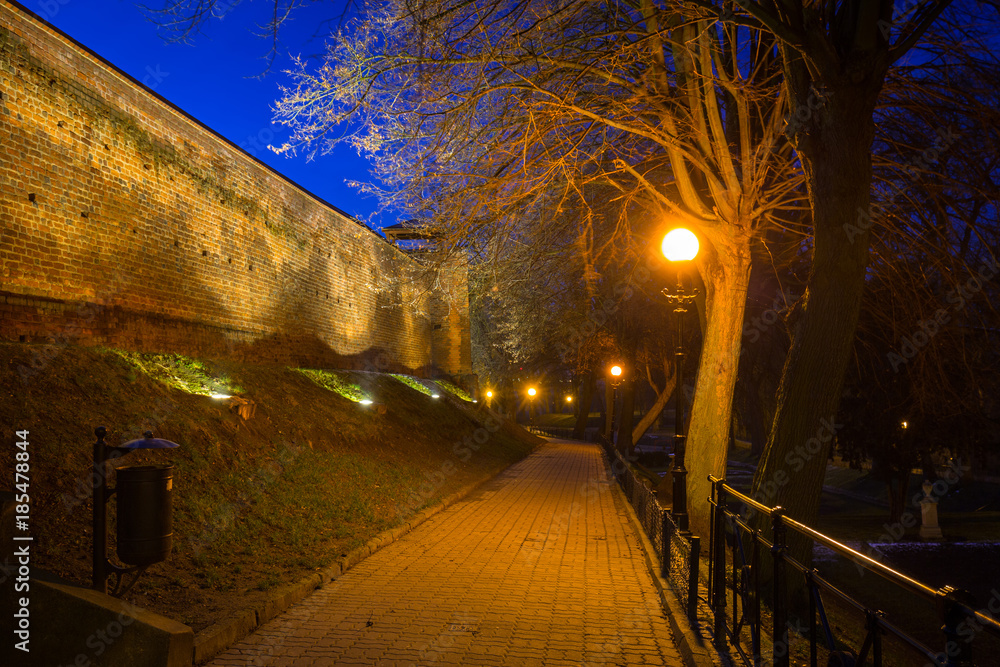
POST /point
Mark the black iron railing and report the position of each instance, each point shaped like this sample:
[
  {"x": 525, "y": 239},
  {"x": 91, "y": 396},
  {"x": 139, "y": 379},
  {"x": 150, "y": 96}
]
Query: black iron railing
[
  {"x": 590, "y": 434},
  {"x": 679, "y": 553},
  {"x": 760, "y": 568}
]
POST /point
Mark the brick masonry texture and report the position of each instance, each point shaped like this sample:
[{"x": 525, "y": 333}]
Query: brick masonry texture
[
  {"x": 540, "y": 566},
  {"x": 127, "y": 223}
]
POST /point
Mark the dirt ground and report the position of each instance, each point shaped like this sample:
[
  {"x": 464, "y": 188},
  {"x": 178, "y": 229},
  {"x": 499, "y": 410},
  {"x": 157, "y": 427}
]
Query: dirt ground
[{"x": 259, "y": 499}]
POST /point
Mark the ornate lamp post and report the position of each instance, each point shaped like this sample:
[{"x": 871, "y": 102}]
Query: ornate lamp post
[
  {"x": 531, "y": 405},
  {"x": 681, "y": 246},
  {"x": 611, "y": 397}
]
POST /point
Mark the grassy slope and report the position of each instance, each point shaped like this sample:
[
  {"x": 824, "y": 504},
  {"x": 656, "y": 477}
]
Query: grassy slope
[{"x": 257, "y": 502}]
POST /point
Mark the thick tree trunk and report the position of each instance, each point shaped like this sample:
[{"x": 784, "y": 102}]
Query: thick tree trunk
[
  {"x": 837, "y": 161},
  {"x": 583, "y": 405},
  {"x": 726, "y": 277},
  {"x": 625, "y": 443}
]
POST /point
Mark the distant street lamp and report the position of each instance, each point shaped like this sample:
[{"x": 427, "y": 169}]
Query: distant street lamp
[
  {"x": 610, "y": 397},
  {"x": 531, "y": 405},
  {"x": 681, "y": 246}
]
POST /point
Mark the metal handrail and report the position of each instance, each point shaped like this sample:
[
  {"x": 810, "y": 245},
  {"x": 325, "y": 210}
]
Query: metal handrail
[{"x": 954, "y": 608}]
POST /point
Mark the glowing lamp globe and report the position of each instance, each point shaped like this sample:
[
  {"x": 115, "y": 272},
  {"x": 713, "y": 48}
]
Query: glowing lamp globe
[
  {"x": 569, "y": 399},
  {"x": 489, "y": 394},
  {"x": 532, "y": 392},
  {"x": 680, "y": 245},
  {"x": 616, "y": 370}
]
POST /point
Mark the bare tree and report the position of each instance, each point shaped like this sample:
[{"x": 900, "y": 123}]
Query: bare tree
[{"x": 727, "y": 117}]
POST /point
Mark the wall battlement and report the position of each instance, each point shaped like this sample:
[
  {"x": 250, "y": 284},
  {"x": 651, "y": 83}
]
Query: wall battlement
[{"x": 125, "y": 222}]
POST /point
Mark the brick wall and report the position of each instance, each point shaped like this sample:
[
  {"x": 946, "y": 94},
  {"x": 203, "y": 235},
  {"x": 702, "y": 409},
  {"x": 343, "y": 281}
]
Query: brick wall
[{"x": 125, "y": 222}]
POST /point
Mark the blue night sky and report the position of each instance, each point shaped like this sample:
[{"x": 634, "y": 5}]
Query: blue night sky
[{"x": 215, "y": 79}]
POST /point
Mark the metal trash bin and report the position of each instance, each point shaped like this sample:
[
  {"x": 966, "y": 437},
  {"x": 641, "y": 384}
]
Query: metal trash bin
[{"x": 145, "y": 524}]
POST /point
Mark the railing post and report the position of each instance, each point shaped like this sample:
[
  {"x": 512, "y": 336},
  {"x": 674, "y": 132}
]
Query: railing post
[
  {"x": 958, "y": 649},
  {"x": 668, "y": 541},
  {"x": 718, "y": 561},
  {"x": 693, "y": 562},
  {"x": 779, "y": 631}
]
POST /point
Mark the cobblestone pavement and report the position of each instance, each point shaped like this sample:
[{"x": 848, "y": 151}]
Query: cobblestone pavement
[{"x": 540, "y": 566}]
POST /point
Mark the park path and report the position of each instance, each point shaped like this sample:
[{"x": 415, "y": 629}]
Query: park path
[{"x": 540, "y": 566}]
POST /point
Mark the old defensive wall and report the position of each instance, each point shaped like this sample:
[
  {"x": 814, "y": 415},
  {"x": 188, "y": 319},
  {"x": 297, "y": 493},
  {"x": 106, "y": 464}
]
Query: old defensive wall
[{"x": 125, "y": 222}]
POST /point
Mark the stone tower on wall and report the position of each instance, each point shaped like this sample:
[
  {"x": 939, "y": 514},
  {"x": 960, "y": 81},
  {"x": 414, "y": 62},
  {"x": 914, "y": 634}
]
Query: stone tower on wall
[
  {"x": 448, "y": 304},
  {"x": 128, "y": 223}
]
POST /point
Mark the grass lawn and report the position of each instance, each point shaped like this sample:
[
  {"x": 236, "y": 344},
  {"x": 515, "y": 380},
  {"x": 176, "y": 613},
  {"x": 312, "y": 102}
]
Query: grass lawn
[{"x": 278, "y": 475}]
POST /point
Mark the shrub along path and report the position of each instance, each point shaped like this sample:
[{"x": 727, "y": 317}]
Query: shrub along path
[{"x": 538, "y": 567}]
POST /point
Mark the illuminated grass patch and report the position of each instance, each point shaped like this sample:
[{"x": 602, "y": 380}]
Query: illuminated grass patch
[
  {"x": 414, "y": 383},
  {"x": 336, "y": 382},
  {"x": 180, "y": 372},
  {"x": 454, "y": 389}
]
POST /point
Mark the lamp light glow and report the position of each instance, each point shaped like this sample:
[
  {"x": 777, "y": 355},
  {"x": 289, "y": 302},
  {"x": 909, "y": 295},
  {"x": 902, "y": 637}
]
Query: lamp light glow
[
  {"x": 569, "y": 399},
  {"x": 365, "y": 401},
  {"x": 435, "y": 395},
  {"x": 531, "y": 391},
  {"x": 489, "y": 394},
  {"x": 219, "y": 396},
  {"x": 616, "y": 370},
  {"x": 680, "y": 245}
]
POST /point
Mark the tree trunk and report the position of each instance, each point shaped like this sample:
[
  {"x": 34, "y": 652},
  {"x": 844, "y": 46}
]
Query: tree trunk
[
  {"x": 837, "y": 160},
  {"x": 661, "y": 401},
  {"x": 625, "y": 443},
  {"x": 727, "y": 278},
  {"x": 897, "y": 486},
  {"x": 583, "y": 406}
]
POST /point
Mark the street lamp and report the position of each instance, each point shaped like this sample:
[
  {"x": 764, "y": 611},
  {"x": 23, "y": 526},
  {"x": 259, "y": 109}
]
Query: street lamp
[
  {"x": 681, "y": 246},
  {"x": 610, "y": 398},
  {"x": 531, "y": 405}
]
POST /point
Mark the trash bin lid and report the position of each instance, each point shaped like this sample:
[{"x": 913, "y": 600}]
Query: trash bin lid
[{"x": 149, "y": 442}]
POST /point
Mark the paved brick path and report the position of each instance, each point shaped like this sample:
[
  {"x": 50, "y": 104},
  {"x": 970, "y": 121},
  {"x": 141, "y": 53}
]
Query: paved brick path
[{"x": 538, "y": 567}]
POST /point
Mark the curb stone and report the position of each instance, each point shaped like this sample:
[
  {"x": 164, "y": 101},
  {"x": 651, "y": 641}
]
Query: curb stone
[
  {"x": 216, "y": 638},
  {"x": 694, "y": 648}
]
